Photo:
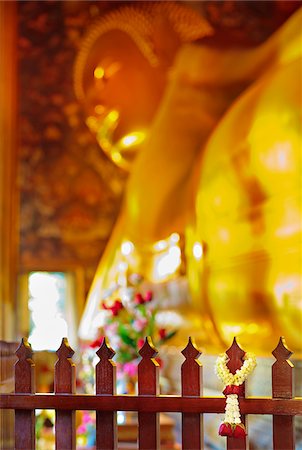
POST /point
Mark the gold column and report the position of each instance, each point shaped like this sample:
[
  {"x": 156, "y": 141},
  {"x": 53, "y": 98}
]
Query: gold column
[{"x": 8, "y": 190}]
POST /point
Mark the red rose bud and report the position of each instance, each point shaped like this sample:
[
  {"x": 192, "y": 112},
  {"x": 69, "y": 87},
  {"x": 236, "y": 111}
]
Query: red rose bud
[
  {"x": 228, "y": 390},
  {"x": 162, "y": 333},
  {"x": 239, "y": 431},
  {"x": 148, "y": 296},
  {"x": 238, "y": 390},
  {"x": 225, "y": 429},
  {"x": 233, "y": 389},
  {"x": 138, "y": 299}
]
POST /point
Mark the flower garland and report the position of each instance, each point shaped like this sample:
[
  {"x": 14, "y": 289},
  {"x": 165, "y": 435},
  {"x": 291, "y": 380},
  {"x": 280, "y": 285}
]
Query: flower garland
[{"x": 232, "y": 425}]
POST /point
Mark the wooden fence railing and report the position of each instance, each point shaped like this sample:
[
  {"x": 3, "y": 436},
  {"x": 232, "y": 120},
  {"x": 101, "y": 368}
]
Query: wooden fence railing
[
  {"x": 7, "y": 385},
  {"x": 148, "y": 403}
]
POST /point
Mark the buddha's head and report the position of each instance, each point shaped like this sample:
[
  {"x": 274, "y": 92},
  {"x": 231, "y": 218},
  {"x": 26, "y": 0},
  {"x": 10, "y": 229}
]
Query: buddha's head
[{"x": 121, "y": 70}]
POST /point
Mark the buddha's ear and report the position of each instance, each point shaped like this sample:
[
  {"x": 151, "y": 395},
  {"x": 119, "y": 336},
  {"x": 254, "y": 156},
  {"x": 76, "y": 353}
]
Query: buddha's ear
[{"x": 165, "y": 40}]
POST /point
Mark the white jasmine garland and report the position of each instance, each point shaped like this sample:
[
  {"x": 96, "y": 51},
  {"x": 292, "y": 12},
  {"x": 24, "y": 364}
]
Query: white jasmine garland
[
  {"x": 228, "y": 378},
  {"x": 232, "y": 412}
]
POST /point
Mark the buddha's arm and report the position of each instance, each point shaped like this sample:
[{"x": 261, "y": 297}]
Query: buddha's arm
[
  {"x": 159, "y": 179},
  {"x": 204, "y": 83},
  {"x": 223, "y": 67}
]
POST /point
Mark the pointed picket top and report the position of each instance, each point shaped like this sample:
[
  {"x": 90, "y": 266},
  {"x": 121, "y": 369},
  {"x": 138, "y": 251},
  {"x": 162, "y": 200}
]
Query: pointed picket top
[
  {"x": 282, "y": 371},
  {"x": 235, "y": 354},
  {"x": 148, "y": 350},
  {"x": 24, "y": 368},
  {"x": 191, "y": 351},
  {"x": 282, "y": 352},
  {"x": 191, "y": 371},
  {"x": 235, "y": 349},
  {"x": 64, "y": 351},
  {"x": 105, "y": 351},
  {"x": 24, "y": 351}
]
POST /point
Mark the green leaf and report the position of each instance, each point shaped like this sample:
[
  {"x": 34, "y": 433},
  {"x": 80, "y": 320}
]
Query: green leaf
[
  {"x": 150, "y": 326},
  {"x": 125, "y": 337},
  {"x": 167, "y": 337}
]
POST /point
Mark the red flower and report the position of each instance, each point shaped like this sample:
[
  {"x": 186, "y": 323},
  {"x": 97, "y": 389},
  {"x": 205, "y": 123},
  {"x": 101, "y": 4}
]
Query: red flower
[
  {"x": 118, "y": 305},
  {"x": 138, "y": 299},
  {"x": 225, "y": 429},
  {"x": 228, "y": 390},
  {"x": 162, "y": 333},
  {"x": 97, "y": 343},
  {"x": 233, "y": 389},
  {"x": 140, "y": 343},
  {"x": 238, "y": 390},
  {"x": 148, "y": 296},
  {"x": 79, "y": 383},
  {"x": 239, "y": 431},
  {"x": 160, "y": 362}
]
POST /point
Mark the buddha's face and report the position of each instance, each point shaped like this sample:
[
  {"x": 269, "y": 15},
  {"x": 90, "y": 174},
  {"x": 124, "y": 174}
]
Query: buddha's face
[{"x": 122, "y": 92}]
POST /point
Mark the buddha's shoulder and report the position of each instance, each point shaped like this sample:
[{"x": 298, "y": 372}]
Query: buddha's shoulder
[{"x": 268, "y": 104}]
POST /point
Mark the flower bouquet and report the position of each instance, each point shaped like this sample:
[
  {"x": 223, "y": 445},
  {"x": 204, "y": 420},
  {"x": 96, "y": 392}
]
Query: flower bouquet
[
  {"x": 128, "y": 313},
  {"x": 129, "y": 316}
]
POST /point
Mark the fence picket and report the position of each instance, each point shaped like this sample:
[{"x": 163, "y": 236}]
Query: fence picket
[
  {"x": 191, "y": 385},
  {"x": 8, "y": 358},
  {"x": 106, "y": 424},
  {"x": 282, "y": 387},
  {"x": 65, "y": 382},
  {"x": 236, "y": 354},
  {"x": 24, "y": 383},
  {"x": 148, "y": 403},
  {"x": 148, "y": 384}
]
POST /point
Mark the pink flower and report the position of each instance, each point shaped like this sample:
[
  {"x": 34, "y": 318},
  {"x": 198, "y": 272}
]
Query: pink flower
[
  {"x": 81, "y": 429},
  {"x": 111, "y": 328},
  {"x": 140, "y": 343},
  {"x": 86, "y": 417},
  {"x": 148, "y": 296},
  {"x": 130, "y": 368},
  {"x": 139, "y": 324}
]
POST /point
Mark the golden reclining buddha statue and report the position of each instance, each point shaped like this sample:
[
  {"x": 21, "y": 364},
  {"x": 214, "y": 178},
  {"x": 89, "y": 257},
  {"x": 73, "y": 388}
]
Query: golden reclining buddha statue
[{"x": 211, "y": 137}]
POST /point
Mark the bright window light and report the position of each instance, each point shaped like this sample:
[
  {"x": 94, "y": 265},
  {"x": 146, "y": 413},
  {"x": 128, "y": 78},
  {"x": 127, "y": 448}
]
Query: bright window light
[{"x": 47, "y": 294}]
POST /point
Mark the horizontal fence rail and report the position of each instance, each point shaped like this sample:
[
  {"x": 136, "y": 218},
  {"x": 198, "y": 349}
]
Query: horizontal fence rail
[
  {"x": 149, "y": 402},
  {"x": 161, "y": 403}
]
